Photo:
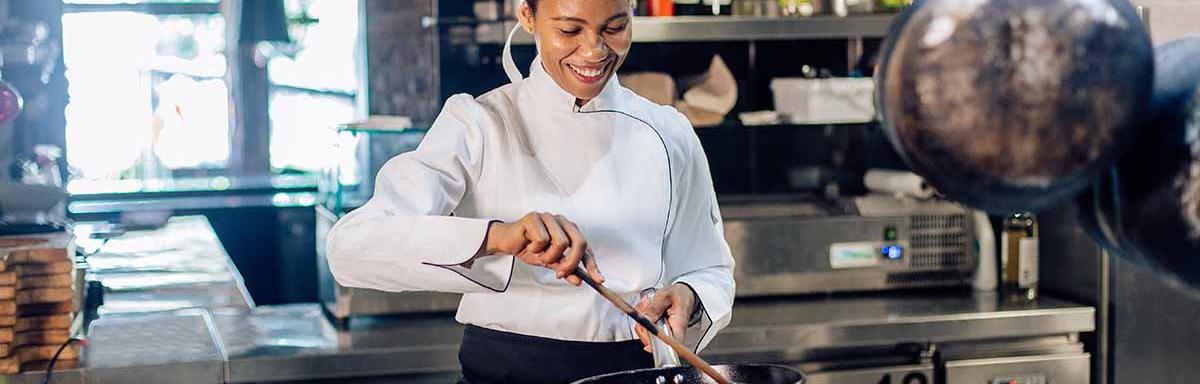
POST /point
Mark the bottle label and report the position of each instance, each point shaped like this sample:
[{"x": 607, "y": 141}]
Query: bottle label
[{"x": 1028, "y": 252}]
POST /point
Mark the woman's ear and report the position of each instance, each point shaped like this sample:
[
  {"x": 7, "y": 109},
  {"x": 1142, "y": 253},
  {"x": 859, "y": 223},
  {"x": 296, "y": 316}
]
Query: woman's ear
[{"x": 525, "y": 15}]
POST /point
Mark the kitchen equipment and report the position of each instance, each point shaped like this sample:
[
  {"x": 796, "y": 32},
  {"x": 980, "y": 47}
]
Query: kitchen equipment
[
  {"x": 662, "y": 333},
  {"x": 900, "y": 184},
  {"x": 869, "y": 243},
  {"x": 1013, "y": 105},
  {"x": 1148, "y": 208},
  {"x": 1040, "y": 360},
  {"x": 824, "y": 101}
]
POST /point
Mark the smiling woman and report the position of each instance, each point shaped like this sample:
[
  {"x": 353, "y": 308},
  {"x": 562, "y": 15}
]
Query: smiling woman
[
  {"x": 581, "y": 43},
  {"x": 513, "y": 190}
]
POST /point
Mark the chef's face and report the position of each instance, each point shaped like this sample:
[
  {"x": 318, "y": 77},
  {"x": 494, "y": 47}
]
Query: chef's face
[{"x": 582, "y": 42}]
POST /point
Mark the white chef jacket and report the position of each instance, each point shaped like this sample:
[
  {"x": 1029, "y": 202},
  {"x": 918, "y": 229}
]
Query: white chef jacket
[{"x": 631, "y": 174}]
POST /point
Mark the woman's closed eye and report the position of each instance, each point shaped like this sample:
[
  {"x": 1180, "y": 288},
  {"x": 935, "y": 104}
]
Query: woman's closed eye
[
  {"x": 616, "y": 28},
  {"x": 570, "y": 32}
]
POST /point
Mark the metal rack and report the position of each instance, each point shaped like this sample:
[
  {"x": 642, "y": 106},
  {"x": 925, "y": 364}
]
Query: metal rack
[{"x": 682, "y": 29}]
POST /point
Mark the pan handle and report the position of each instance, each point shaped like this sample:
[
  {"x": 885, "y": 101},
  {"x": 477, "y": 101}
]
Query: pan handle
[{"x": 664, "y": 355}]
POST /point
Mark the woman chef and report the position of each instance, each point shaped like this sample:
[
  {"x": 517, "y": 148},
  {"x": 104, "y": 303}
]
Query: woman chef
[{"x": 510, "y": 191}]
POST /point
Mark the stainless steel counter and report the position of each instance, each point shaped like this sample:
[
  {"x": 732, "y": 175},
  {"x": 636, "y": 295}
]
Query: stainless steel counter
[
  {"x": 181, "y": 265},
  {"x": 240, "y": 343},
  {"x": 298, "y": 342},
  {"x": 783, "y": 329}
]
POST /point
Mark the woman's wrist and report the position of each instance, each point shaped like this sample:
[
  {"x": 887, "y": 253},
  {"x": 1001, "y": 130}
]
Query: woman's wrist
[
  {"x": 697, "y": 307},
  {"x": 491, "y": 239},
  {"x": 488, "y": 247}
]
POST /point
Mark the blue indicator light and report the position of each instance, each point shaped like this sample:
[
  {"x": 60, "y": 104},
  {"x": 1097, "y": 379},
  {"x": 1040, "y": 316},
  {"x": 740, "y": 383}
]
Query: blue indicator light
[{"x": 892, "y": 252}]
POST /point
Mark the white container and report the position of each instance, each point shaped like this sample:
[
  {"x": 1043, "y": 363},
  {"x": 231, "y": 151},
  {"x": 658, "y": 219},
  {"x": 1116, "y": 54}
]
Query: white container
[{"x": 824, "y": 101}]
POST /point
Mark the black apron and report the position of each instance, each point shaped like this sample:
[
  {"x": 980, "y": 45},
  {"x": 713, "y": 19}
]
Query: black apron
[{"x": 493, "y": 357}]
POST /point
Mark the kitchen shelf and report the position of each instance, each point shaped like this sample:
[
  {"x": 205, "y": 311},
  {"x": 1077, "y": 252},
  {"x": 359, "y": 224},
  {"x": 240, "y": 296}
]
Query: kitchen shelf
[{"x": 680, "y": 29}]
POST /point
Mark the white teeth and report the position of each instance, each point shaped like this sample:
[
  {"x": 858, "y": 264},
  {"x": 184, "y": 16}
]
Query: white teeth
[{"x": 587, "y": 72}]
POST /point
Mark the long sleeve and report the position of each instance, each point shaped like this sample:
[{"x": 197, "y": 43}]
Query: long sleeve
[
  {"x": 696, "y": 251},
  {"x": 404, "y": 238}
]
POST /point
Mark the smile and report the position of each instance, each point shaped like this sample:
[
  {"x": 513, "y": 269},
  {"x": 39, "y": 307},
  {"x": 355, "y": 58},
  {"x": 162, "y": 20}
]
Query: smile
[{"x": 589, "y": 74}]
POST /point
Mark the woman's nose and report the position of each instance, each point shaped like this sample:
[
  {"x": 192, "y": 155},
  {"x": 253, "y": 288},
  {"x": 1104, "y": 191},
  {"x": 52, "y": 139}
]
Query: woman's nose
[{"x": 594, "y": 48}]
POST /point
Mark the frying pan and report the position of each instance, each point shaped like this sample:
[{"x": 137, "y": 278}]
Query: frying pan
[
  {"x": 669, "y": 371},
  {"x": 667, "y": 360},
  {"x": 1014, "y": 105},
  {"x": 737, "y": 373}
]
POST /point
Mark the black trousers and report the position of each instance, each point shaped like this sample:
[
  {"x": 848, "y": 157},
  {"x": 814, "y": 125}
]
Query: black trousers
[{"x": 493, "y": 357}]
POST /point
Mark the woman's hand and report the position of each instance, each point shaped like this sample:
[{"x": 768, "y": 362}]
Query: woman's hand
[
  {"x": 544, "y": 240},
  {"x": 677, "y": 302}
]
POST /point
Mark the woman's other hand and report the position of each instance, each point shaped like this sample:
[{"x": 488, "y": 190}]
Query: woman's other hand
[{"x": 677, "y": 302}]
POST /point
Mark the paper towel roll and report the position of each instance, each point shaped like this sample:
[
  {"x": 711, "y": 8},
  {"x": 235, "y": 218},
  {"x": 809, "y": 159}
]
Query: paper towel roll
[{"x": 898, "y": 183}]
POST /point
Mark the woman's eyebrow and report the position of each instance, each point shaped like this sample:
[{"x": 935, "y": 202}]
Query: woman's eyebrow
[{"x": 582, "y": 21}]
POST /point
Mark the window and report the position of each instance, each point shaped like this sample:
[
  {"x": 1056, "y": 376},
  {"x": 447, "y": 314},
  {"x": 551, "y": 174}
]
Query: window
[
  {"x": 313, "y": 88},
  {"x": 149, "y": 98}
]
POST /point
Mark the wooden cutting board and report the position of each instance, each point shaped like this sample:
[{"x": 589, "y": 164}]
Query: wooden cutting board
[
  {"x": 39, "y": 366},
  {"x": 10, "y": 365},
  {"x": 43, "y": 295},
  {"x": 8, "y": 278},
  {"x": 41, "y": 269},
  {"x": 62, "y": 280},
  {"x": 30, "y": 323},
  {"x": 37, "y": 249},
  {"x": 44, "y": 309},
  {"x": 52, "y": 337},
  {"x": 30, "y": 353}
]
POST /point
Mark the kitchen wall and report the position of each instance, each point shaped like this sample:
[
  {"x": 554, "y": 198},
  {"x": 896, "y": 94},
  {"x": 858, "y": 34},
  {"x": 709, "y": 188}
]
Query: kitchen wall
[
  {"x": 401, "y": 60},
  {"x": 1172, "y": 19}
]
